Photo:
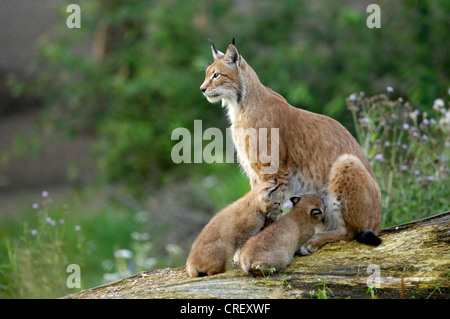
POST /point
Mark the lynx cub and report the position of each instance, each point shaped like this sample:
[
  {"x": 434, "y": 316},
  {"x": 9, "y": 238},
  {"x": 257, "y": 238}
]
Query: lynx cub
[
  {"x": 275, "y": 246},
  {"x": 316, "y": 153},
  {"x": 230, "y": 228}
]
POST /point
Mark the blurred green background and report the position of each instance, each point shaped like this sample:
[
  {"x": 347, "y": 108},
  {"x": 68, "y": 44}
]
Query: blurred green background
[{"x": 87, "y": 114}]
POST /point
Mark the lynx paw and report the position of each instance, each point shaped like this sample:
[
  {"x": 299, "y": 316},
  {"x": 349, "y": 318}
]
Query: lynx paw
[{"x": 307, "y": 249}]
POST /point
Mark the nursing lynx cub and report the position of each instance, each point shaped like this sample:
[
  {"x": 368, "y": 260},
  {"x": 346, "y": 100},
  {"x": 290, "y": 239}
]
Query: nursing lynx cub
[
  {"x": 231, "y": 227},
  {"x": 316, "y": 153},
  {"x": 274, "y": 247}
]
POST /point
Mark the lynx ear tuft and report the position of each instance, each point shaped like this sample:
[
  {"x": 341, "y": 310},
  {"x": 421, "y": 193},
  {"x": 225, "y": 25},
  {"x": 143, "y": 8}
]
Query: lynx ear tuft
[
  {"x": 295, "y": 200},
  {"x": 216, "y": 53}
]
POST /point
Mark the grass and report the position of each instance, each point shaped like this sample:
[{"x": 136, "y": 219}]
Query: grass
[
  {"x": 324, "y": 292},
  {"x": 409, "y": 152},
  {"x": 372, "y": 292},
  {"x": 36, "y": 250},
  {"x": 437, "y": 286}
]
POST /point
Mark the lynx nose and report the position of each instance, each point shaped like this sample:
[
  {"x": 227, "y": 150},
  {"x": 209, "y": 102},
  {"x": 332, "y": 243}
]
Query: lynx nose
[{"x": 203, "y": 89}]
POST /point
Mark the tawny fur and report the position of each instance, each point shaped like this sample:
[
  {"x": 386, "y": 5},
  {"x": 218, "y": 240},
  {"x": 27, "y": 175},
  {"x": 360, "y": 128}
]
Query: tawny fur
[
  {"x": 230, "y": 228},
  {"x": 275, "y": 246},
  {"x": 351, "y": 184},
  {"x": 310, "y": 147}
]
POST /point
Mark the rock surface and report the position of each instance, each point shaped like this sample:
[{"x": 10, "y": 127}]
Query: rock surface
[{"x": 412, "y": 262}]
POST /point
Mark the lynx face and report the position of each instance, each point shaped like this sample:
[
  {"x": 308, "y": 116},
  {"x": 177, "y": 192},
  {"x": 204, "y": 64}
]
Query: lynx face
[{"x": 223, "y": 80}]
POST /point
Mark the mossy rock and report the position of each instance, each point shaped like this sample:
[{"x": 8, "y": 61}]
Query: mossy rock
[{"x": 412, "y": 262}]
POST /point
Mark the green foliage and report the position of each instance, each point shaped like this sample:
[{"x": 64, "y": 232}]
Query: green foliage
[
  {"x": 324, "y": 292},
  {"x": 140, "y": 83},
  {"x": 437, "y": 286},
  {"x": 409, "y": 152},
  {"x": 372, "y": 292},
  {"x": 224, "y": 185},
  {"x": 36, "y": 249},
  {"x": 38, "y": 258},
  {"x": 141, "y": 79},
  {"x": 267, "y": 273}
]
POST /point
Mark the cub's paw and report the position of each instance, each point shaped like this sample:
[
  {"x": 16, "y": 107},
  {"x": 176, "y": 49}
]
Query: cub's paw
[{"x": 306, "y": 249}]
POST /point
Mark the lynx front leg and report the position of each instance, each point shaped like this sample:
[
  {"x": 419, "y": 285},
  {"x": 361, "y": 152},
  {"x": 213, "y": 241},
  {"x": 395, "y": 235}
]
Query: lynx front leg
[
  {"x": 276, "y": 196},
  {"x": 281, "y": 178},
  {"x": 321, "y": 239}
]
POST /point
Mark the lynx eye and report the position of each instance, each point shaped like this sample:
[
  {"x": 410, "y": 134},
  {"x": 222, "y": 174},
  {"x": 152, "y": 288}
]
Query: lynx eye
[{"x": 216, "y": 75}]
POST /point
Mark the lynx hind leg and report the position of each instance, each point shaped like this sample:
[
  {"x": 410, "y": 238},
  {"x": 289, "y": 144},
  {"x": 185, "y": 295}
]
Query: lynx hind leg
[
  {"x": 358, "y": 192},
  {"x": 354, "y": 206},
  {"x": 203, "y": 269},
  {"x": 320, "y": 239},
  {"x": 209, "y": 259}
]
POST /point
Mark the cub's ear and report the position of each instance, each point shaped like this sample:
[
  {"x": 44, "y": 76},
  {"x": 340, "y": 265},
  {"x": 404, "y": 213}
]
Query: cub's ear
[
  {"x": 232, "y": 55},
  {"x": 216, "y": 53},
  {"x": 295, "y": 200}
]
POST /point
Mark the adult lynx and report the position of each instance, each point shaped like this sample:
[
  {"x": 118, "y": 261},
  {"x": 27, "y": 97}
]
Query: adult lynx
[{"x": 316, "y": 153}]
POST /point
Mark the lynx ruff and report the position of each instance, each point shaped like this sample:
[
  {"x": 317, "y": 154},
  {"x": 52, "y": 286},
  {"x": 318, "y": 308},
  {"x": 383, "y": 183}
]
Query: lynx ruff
[{"x": 316, "y": 153}]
